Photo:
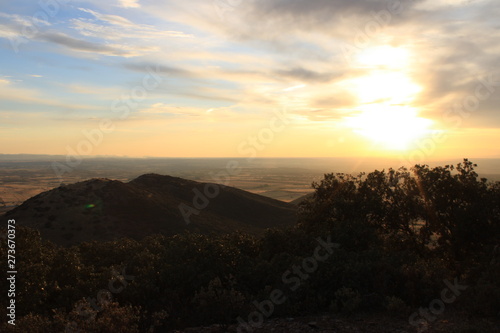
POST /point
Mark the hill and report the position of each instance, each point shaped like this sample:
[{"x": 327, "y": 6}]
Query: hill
[{"x": 104, "y": 209}]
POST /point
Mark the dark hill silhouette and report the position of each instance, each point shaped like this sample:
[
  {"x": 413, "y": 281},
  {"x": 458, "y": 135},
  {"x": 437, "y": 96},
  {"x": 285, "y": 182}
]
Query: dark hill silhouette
[{"x": 103, "y": 209}]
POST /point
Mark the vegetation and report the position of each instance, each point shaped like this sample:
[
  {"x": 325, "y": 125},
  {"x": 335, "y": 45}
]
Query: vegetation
[{"x": 400, "y": 234}]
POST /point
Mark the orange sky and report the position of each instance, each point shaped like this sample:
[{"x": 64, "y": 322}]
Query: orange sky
[{"x": 251, "y": 78}]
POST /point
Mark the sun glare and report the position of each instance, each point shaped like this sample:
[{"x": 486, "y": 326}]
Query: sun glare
[
  {"x": 385, "y": 94},
  {"x": 385, "y": 87},
  {"x": 383, "y": 56},
  {"x": 392, "y": 127}
]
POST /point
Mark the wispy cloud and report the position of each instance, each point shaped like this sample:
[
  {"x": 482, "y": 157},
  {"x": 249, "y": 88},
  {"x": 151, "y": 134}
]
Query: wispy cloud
[
  {"x": 306, "y": 75},
  {"x": 35, "y": 98},
  {"x": 114, "y": 27},
  {"x": 83, "y": 45},
  {"x": 170, "y": 110},
  {"x": 100, "y": 92},
  {"x": 129, "y": 3}
]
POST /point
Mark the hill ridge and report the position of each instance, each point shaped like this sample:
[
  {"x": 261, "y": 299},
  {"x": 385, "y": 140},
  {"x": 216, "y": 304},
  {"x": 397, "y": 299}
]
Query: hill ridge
[{"x": 105, "y": 209}]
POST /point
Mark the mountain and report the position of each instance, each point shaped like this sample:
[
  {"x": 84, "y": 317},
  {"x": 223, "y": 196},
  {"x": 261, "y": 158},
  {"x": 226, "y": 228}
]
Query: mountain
[{"x": 103, "y": 209}]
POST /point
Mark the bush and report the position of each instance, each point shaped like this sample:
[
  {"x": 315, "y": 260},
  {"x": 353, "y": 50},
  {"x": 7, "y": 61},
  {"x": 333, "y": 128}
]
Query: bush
[
  {"x": 218, "y": 303},
  {"x": 395, "y": 306},
  {"x": 346, "y": 301}
]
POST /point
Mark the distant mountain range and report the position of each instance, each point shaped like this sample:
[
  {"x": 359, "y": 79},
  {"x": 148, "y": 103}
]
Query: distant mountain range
[{"x": 103, "y": 209}]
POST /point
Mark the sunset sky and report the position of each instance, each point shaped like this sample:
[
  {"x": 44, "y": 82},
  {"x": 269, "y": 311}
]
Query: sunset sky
[{"x": 263, "y": 78}]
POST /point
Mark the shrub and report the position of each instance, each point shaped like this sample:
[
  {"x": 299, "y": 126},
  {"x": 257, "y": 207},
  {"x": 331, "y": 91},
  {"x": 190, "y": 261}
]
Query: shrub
[
  {"x": 396, "y": 306},
  {"x": 346, "y": 301}
]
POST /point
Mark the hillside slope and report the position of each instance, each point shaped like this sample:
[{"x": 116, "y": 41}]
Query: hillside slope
[{"x": 103, "y": 209}]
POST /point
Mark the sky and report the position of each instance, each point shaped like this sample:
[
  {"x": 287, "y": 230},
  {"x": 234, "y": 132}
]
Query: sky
[{"x": 413, "y": 80}]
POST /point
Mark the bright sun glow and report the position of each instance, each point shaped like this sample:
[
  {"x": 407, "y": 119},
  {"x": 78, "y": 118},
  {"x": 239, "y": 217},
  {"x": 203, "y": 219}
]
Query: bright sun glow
[
  {"x": 384, "y": 95},
  {"x": 385, "y": 87},
  {"x": 383, "y": 56},
  {"x": 391, "y": 126}
]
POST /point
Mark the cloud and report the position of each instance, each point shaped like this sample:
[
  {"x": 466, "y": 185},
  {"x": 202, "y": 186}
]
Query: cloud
[
  {"x": 129, "y": 3},
  {"x": 114, "y": 27},
  {"x": 294, "y": 87},
  {"x": 110, "y": 19},
  {"x": 15, "y": 29},
  {"x": 446, "y": 4},
  {"x": 171, "y": 113},
  {"x": 279, "y": 20},
  {"x": 90, "y": 28},
  {"x": 169, "y": 110},
  {"x": 24, "y": 21},
  {"x": 84, "y": 45},
  {"x": 317, "y": 10},
  {"x": 100, "y": 92},
  {"x": 206, "y": 75},
  {"x": 306, "y": 75},
  {"x": 337, "y": 99},
  {"x": 103, "y": 34},
  {"x": 145, "y": 67},
  {"x": 29, "y": 96},
  {"x": 116, "y": 35},
  {"x": 19, "y": 27}
]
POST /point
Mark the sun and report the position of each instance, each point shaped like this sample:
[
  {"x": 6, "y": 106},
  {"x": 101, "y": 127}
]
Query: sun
[
  {"x": 391, "y": 127},
  {"x": 384, "y": 86},
  {"x": 385, "y": 94}
]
